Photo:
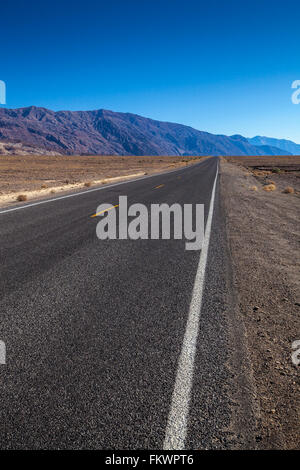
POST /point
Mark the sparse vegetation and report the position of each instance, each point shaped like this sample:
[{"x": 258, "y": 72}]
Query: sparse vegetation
[
  {"x": 289, "y": 190},
  {"x": 261, "y": 173},
  {"x": 88, "y": 184},
  {"x": 253, "y": 188},
  {"x": 269, "y": 187},
  {"x": 44, "y": 186},
  {"x": 281, "y": 173}
]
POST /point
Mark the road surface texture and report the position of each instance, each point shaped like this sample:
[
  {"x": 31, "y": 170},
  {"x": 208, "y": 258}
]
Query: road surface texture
[{"x": 94, "y": 329}]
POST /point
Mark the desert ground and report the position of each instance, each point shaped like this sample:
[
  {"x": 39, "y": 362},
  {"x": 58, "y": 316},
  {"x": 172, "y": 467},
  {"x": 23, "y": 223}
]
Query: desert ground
[
  {"x": 36, "y": 176},
  {"x": 284, "y": 172},
  {"x": 263, "y": 229}
]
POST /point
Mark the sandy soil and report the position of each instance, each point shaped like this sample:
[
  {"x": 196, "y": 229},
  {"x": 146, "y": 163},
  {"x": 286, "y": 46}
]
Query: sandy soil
[
  {"x": 271, "y": 162},
  {"x": 36, "y": 176},
  {"x": 263, "y": 232}
]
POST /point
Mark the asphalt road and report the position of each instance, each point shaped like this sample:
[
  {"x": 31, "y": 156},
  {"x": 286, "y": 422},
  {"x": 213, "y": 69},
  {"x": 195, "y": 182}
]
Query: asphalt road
[{"x": 94, "y": 329}]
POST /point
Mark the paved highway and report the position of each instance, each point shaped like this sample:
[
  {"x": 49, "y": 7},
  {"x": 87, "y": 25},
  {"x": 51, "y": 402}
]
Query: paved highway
[{"x": 103, "y": 350}]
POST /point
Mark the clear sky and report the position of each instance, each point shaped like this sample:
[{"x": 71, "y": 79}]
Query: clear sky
[{"x": 221, "y": 66}]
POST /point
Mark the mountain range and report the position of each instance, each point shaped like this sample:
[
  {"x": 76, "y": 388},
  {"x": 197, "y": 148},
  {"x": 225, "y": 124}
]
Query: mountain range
[
  {"x": 103, "y": 132},
  {"x": 285, "y": 145}
]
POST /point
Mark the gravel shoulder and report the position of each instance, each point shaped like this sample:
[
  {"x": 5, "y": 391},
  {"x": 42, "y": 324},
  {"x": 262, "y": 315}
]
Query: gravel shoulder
[{"x": 263, "y": 232}]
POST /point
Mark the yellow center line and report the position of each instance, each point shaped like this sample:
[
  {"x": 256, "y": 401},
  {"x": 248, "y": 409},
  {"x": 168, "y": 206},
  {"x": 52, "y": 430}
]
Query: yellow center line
[
  {"x": 160, "y": 186},
  {"x": 105, "y": 210}
]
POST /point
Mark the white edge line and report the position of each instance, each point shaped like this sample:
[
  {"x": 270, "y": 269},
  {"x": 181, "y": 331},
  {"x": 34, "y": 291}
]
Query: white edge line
[
  {"x": 96, "y": 189},
  {"x": 176, "y": 429}
]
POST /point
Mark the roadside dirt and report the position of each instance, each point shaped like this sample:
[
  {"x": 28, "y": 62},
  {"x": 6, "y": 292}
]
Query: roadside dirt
[
  {"x": 263, "y": 231},
  {"x": 37, "y": 176}
]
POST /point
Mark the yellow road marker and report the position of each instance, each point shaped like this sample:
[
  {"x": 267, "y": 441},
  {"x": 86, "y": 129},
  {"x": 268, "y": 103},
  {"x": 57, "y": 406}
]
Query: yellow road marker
[
  {"x": 160, "y": 186},
  {"x": 105, "y": 210}
]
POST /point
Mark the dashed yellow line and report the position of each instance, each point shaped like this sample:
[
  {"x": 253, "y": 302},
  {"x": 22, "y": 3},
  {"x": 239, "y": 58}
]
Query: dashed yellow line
[
  {"x": 105, "y": 210},
  {"x": 117, "y": 205}
]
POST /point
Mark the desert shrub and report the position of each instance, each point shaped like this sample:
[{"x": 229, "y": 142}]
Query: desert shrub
[
  {"x": 253, "y": 188},
  {"x": 276, "y": 170},
  {"x": 88, "y": 184},
  {"x": 261, "y": 173},
  {"x": 21, "y": 197},
  {"x": 269, "y": 187},
  {"x": 289, "y": 190}
]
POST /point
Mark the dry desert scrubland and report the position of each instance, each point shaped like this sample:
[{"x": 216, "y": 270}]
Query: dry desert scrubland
[{"x": 29, "y": 177}]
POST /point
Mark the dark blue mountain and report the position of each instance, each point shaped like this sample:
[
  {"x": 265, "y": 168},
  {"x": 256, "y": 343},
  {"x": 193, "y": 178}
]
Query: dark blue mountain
[{"x": 105, "y": 132}]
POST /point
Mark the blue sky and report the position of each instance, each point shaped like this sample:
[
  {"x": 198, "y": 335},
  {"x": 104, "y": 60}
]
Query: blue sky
[{"x": 221, "y": 66}]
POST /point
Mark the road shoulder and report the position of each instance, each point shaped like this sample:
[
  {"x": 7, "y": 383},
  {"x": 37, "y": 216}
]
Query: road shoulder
[{"x": 263, "y": 234}]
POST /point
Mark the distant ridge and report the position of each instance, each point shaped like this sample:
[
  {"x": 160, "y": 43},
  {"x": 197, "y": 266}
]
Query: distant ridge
[
  {"x": 103, "y": 132},
  {"x": 284, "y": 145}
]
